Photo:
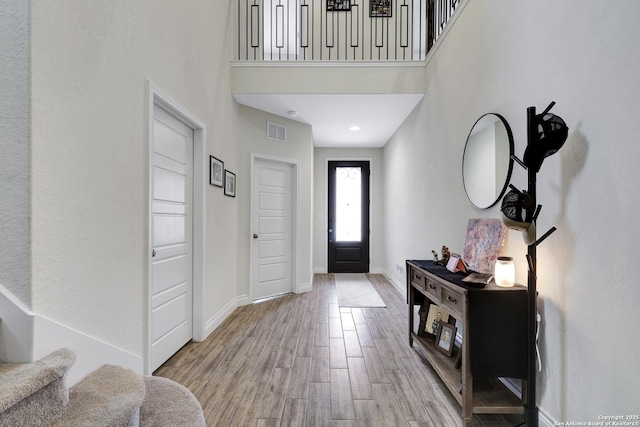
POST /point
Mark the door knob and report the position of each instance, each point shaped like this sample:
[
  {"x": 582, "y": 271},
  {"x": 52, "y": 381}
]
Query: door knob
[
  {"x": 255, "y": 236},
  {"x": 331, "y": 230},
  {"x": 153, "y": 253}
]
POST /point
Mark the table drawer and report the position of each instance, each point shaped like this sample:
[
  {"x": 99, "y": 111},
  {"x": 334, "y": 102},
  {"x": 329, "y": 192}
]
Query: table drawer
[
  {"x": 432, "y": 287},
  {"x": 453, "y": 301},
  {"x": 418, "y": 278}
]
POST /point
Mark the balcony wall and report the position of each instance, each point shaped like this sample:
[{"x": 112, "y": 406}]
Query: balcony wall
[
  {"x": 326, "y": 46},
  {"x": 317, "y": 77}
]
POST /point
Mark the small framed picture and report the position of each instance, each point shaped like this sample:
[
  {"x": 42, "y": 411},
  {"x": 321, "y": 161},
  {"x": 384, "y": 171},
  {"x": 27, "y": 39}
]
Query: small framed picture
[
  {"x": 338, "y": 5},
  {"x": 446, "y": 338},
  {"x": 380, "y": 9},
  {"x": 229, "y": 183},
  {"x": 456, "y": 264},
  {"x": 435, "y": 316},
  {"x": 216, "y": 171}
]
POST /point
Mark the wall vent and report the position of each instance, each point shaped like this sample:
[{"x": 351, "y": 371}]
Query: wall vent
[{"x": 276, "y": 132}]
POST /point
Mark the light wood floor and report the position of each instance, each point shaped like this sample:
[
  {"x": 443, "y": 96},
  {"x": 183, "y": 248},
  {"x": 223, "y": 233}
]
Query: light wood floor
[{"x": 301, "y": 360}]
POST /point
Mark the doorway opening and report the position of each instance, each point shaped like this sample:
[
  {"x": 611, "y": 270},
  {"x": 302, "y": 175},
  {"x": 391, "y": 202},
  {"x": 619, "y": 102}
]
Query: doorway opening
[{"x": 348, "y": 216}]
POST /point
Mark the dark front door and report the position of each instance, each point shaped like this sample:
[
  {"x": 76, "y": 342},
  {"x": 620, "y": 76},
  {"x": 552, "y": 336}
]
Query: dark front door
[{"x": 348, "y": 216}]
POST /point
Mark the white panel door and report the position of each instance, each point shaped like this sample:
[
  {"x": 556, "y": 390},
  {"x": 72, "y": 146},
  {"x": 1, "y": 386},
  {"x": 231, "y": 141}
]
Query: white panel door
[
  {"x": 272, "y": 228},
  {"x": 172, "y": 213}
]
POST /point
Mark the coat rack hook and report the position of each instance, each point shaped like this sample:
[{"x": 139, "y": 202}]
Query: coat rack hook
[
  {"x": 536, "y": 213},
  {"x": 518, "y": 161},
  {"x": 548, "y": 108},
  {"x": 545, "y": 235}
]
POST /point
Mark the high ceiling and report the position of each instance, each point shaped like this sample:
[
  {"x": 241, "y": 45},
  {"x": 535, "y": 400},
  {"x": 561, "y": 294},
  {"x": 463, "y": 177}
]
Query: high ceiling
[{"x": 332, "y": 117}]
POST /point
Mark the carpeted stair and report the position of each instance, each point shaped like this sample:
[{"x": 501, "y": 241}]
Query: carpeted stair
[{"x": 34, "y": 394}]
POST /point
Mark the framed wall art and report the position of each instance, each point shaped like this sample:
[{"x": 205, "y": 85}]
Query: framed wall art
[
  {"x": 483, "y": 243},
  {"x": 229, "y": 183},
  {"x": 216, "y": 171},
  {"x": 338, "y": 5},
  {"x": 380, "y": 9}
]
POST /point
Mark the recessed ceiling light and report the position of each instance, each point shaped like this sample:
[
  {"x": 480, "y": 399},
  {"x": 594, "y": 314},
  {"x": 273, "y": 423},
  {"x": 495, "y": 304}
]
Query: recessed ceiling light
[{"x": 354, "y": 128}]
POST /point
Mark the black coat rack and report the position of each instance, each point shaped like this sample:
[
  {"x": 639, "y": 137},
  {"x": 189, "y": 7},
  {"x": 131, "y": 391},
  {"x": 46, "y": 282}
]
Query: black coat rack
[{"x": 546, "y": 133}]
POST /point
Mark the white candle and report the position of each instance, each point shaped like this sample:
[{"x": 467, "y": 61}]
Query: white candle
[{"x": 505, "y": 272}]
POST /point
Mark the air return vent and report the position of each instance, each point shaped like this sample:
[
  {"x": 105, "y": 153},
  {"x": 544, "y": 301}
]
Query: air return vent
[{"x": 276, "y": 132}]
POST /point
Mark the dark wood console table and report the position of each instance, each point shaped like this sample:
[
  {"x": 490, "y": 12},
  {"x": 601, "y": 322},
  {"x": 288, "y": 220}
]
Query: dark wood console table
[{"x": 494, "y": 337}]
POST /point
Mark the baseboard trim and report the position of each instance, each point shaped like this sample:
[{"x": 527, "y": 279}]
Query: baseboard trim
[
  {"x": 400, "y": 287},
  {"x": 221, "y": 315},
  {"x": 91, "y": 353},
  {"x": 512, "y": 385},
  {"x": 544, "y": 420},
  {"x": 303, "y": 287}
]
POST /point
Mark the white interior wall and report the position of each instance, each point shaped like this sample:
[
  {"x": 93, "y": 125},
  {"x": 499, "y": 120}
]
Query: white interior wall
[
  {"x": 14, "y": 150},
  {"x": 90, "y": 67},
  {"x": 503, "y": 57},
  {"x": 252, "y": 139},
  {"x": 320, "y": 194}
]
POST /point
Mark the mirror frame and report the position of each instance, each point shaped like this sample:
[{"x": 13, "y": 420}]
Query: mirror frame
[{"x": 510, "y": 168}]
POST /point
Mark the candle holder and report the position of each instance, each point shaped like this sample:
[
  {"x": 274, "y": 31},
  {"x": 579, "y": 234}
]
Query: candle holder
[{"x": 505, "y": 272}]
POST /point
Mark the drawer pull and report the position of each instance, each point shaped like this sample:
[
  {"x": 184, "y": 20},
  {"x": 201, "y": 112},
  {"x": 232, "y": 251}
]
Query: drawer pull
[
  {"x": 450, "y": 299},
  {"x": 418, "y": 277},
  {"x": 431, "y": 286}
]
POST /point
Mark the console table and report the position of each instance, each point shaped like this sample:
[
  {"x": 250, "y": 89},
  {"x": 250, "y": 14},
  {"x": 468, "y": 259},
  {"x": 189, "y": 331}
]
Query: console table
[{"x": 494, "y": 337}]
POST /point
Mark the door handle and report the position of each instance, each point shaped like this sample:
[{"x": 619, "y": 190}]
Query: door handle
[
  {"x": 331, "y": 230},
  {"x": 153, "y": 253},
  {"x": 255, "y": 236}
]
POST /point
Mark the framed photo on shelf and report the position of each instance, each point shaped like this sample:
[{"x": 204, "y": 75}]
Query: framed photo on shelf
[
  {"x": 380, "y": 9},
  {"x": 338, "y": 5},
  {"x": 229, "y": 183},
  {"x": 435, "y": 316},
  {"x": 446, "y": 338},
  {"x": 216, "y": 171}
]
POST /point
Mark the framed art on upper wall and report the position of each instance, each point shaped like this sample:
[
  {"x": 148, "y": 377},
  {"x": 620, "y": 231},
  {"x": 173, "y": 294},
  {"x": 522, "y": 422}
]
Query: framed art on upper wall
[
  {"x": 380, "y": 9},
  {"x": 229, "y": 183},
  {"x": 216, "y": 171},
  {"x": 338, "y": 5}
]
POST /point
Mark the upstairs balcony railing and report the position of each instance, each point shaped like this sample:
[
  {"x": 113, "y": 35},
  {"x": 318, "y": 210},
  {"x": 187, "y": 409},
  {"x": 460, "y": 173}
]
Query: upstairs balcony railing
[{"x": 340, "y": 30}]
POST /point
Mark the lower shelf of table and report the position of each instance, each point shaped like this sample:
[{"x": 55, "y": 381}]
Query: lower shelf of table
[{"x": 489, "y": 396}]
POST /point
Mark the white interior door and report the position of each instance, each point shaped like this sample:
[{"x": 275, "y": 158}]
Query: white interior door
[
  {"x": 273, "y": 219},
  {"x": 172, "y": 218}
]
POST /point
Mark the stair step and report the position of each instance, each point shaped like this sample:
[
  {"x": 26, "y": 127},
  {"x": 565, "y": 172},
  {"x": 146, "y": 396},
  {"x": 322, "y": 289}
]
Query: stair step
[
  {"x": 33, "y": 392},
  {"x": 169, "y": 404},
  {"x": 109, "y": 396}
]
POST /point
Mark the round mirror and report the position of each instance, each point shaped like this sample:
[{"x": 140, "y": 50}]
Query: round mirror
[{"x": 487, "y": 162}]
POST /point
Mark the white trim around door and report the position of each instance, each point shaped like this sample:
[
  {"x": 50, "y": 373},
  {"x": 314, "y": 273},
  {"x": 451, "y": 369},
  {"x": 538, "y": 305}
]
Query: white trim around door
[
  {"x": 293, "y": 226},
  {"x": 200, "y": 177}
]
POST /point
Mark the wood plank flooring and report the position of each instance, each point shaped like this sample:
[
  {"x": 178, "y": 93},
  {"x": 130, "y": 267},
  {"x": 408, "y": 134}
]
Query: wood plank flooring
[{"x": 301, "y": 360}]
